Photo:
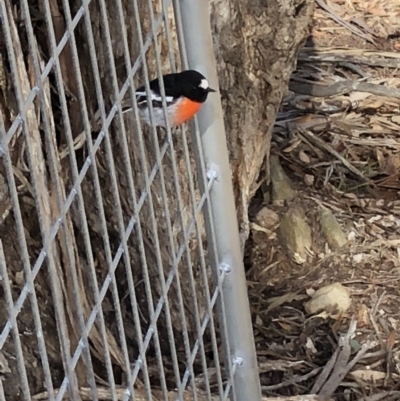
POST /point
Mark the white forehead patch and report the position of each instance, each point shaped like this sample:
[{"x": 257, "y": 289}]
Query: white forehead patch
[{"x": 204, "y": 84}]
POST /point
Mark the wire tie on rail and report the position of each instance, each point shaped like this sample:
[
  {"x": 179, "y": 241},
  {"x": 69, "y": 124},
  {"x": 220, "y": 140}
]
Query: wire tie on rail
[
  {"x": 213, "y": 173},
  {"x": 237, "y": 360},
  {"x": 225, "y": 267}
]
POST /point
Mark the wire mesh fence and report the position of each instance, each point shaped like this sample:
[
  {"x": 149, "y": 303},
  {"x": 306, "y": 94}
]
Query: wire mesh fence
[{"x": 120, "y": 261}]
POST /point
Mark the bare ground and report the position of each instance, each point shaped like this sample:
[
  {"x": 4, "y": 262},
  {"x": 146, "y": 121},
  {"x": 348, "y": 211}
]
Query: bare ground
[{"x": 337, "y": 139}]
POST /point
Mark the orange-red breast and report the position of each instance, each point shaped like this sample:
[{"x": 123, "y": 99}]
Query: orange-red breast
[{"x": 185, "y": 92}]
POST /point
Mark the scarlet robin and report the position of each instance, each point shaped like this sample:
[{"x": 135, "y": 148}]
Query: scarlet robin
[{"x": 185, "y": 92}]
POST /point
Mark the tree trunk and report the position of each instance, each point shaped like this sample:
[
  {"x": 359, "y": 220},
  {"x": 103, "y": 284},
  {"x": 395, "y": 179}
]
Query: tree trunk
[{"x": 256, "y": 45}]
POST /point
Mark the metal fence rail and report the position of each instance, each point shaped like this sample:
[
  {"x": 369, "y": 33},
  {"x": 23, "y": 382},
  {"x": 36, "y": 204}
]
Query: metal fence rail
[{"x": 160, "y": 206}]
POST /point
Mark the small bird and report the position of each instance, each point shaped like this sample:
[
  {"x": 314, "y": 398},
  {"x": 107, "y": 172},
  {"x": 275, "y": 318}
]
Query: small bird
[{"x": 184, "y": 94}]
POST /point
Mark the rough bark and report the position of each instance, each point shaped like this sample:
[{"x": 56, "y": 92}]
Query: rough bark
[{"x": 256, "y": 44}]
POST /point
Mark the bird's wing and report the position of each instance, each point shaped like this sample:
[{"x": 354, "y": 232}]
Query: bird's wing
[{"x": 141, "y": 98}]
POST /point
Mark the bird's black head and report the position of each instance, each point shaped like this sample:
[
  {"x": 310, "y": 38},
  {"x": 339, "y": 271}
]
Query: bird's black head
[{"x": 190, "y": 84}]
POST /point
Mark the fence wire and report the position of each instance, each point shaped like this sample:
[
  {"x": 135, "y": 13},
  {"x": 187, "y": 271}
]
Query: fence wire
[{"x": 113, "y": 282}]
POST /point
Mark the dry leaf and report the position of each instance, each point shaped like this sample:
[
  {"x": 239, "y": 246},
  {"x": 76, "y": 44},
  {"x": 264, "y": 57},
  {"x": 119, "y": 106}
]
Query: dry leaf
[
  {"x": 391, "y": 340},
  {"x": 292, "y": 146},
  {"x": 304, "y": 157},
  {"x": 396, "y": 119},
  {"x": 267, "y": 218},
  {"x": 358, "y": 258},
  {"x": 330, "y": 227},
  {"x": 333, "y": 299},
  {"x": 278, "y": 301},
  {"x": 310, "y": 346},
  {"x": 295, "y": 234},
  {"x": 368, "y": 375},
  {"x": 282, "y": 189},
  {"x": 309, "y": 179},
  {"x": 393, "y": 163},
  {"x": 285, "y": 326},
  {"x": 363, "y": 316},
  {"x": 4, "y": 366}
]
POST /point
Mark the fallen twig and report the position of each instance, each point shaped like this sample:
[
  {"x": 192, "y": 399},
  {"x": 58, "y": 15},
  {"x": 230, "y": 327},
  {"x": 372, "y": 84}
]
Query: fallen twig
[
  {"x": 340, "y": 364},
  {"x": 324, "y": 146},
  {"x": 342, "y": 22},
  {"x": 385, "y": 395},
  {"x": 336, "y": 364},
  {"x": 354, "y": 56},
  {"x": 323, "y": 377},
  {"x": 343, "y": 87},
  {"x": 292, "y": 380}
]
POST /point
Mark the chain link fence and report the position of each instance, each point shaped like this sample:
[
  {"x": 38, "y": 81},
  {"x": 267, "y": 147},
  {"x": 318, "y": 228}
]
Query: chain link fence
[{"x": 120, "y": 262}]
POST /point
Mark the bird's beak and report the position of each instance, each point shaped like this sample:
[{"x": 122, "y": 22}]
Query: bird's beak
[{"x": 211, "y": 90}]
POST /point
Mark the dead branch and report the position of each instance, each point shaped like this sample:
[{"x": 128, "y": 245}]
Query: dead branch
[
  {"x": 344, "y": 23},
  {"x": 354, "y": 56},
  {"x": 339, "y": 364},
  {"x": 324, "y": 146},
  {"x": 342, "y": 88}
]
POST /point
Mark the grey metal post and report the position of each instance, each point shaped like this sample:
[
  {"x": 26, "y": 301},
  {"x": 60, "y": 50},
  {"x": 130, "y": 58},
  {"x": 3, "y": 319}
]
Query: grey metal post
[{"x": 200, "y": 56}]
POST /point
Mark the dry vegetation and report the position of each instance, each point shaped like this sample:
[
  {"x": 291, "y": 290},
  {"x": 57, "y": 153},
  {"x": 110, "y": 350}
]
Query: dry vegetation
[
  {"x": 81, "y": 224},
  {"x": 329, "y": 220},
  {"x": 333, "y": 215}
]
